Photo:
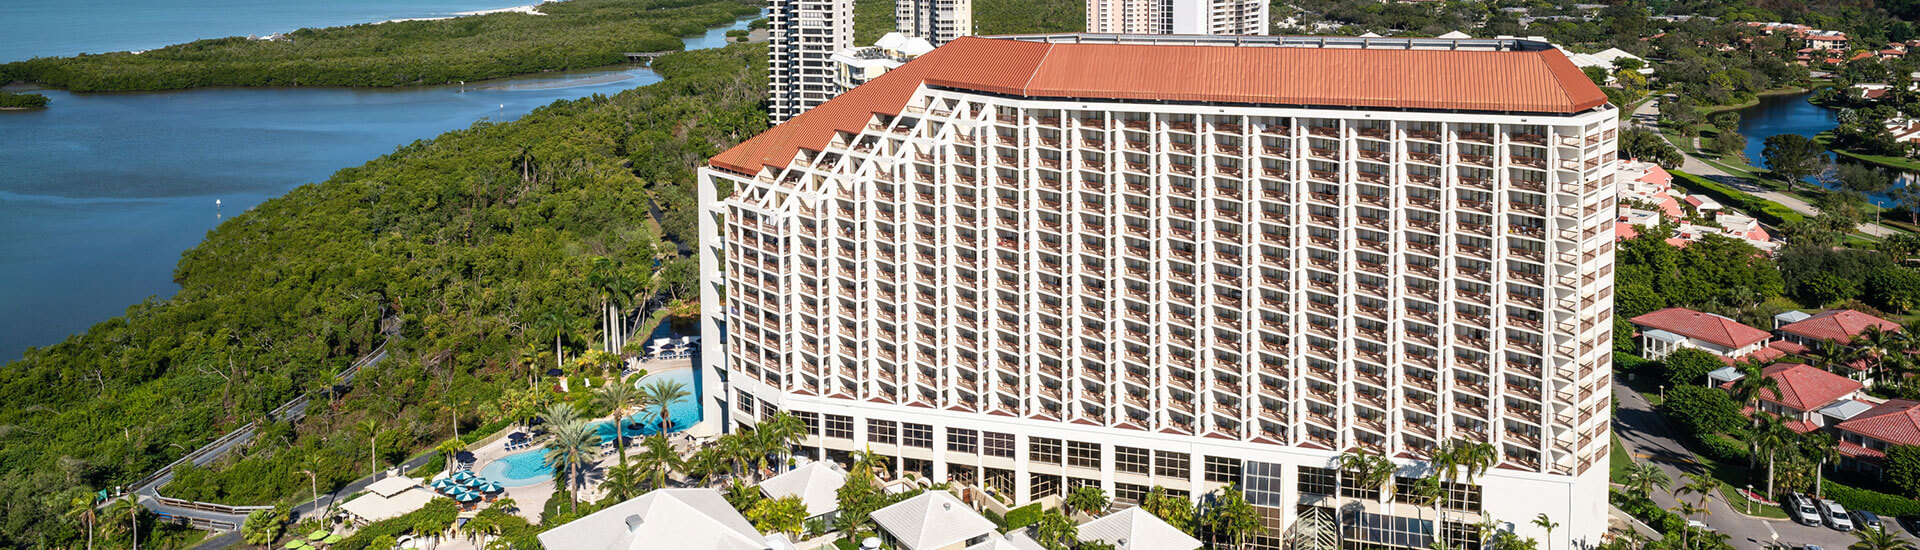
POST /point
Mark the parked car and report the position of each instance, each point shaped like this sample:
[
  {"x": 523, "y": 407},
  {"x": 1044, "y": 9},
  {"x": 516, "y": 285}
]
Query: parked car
[
  {"x": 1835, "y": 515},
  {"x": 1802, "y": 509},
  {"x": 1863, "y": 519}
]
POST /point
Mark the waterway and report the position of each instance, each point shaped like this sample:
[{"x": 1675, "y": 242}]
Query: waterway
[
  {"x": 103, "y": 191},
  {"x": 1791, "y": 114}
]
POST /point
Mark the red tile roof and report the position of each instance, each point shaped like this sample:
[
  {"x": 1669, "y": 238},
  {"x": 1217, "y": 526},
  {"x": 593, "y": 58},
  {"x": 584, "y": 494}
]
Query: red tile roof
[
  {"x": 1896, "y": 421},
  {"x": 1789, "y": 347},
  {"x": 1850, "y": 449},
  {"x": 1530, "y": 81},
  {"x": 1705, "y": 327},
  {"x": 1805, "y": 387},
  {"x": 1840, "y": 325}
]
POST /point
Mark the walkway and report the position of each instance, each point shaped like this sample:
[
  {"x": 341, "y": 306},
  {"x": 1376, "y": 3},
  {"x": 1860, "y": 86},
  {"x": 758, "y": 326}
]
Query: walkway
[
  {"x": 1648, "y": 437},
  {"x": 1647, "y": 116},
  {"x": 324, "y": 503}
]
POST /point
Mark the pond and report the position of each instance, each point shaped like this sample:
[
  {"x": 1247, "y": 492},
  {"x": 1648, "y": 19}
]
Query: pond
[{"x": 1791, "y": 114}]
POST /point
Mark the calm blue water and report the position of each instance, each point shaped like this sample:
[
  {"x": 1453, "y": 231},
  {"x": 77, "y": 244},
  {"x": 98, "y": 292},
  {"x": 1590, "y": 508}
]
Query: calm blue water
[
  {"x": 102, "y": 192},
  {"x": 1789, "y": 114},
  {"x": 40, "y": 28},
  {"x": 528, "y": 467}
]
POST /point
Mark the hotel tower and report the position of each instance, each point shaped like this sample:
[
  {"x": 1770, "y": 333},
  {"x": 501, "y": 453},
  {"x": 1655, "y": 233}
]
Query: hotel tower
[{"x": 1041, "y": 262}]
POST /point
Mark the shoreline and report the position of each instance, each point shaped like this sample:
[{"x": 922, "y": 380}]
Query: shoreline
[{"x": 529, "y": 9}]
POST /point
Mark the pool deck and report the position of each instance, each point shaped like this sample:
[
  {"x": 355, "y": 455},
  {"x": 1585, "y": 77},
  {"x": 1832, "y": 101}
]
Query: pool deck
[{"x": 532, "y": 499}]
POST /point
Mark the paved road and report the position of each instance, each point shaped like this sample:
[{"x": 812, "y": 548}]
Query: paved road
[
  {"x": 1647, "y": 436},
  {"x": 1648, "y": 115}
]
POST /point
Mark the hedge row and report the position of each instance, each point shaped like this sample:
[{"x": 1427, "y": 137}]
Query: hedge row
[
  {"x": 1768, "y": 212},
  {"x": 1861, "y": 499},
  {"x": 1023, "y": 516},
  {"x": 1722, "y": 448}
]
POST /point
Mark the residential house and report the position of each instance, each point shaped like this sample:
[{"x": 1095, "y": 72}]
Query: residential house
[
  {"x": 1865, "y": 437},
  {"x": 1840, "y": 326},
  {"x": 663, "y": 518},
  {"x": 817, "y": 484},
  {"x": 1665, "y": 331},
  {"x": 1805, "y": 391},
  {"x": 933, "y": 520},
  {"x": 1648, "y": 183}
]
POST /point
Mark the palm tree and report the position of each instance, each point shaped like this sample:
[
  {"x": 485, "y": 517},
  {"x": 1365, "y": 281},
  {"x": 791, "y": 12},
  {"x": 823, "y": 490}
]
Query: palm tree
[
  {"x": 618, "y": 396},
  {"x": 1428, "y": 491},
  {"x": 1830, "y": 356},
  {"x": 780, "y": 432},
  {"x": 559, "y": 414},
  {"x": 1369, "y": 471},
  {"x": 126, "y": 511},
  {"x": 81, "y": 509},
  {"x": 572, "y": 446},
  {"x": 600, "y": 276},
  {"x": 1457, "y": 457},
  {"x": 1686, "y": 510},
  {"x": 1231, "y": 516},
  {"x": 1753, "y": 383},
  {"x": 736, "y": 450},
  {"x": 1819, "y": 447},
  {"x": 657, "y": 460},
  {"x": 1702, "y": 484},
  {"x": 1087, "y": 498},
  {"x": 1877, "y": 539},
  {"x": 1770, "y": 435},
  {"x": 370, "y": 429},
  {"x": 1544, "y": 522},
  {"x": 664, "y": 393},
  {"x": 554, "y": 322},
  {"x": 450, "y": 449},
  {"x": 1643, "y": 477},
  {"x": 621, "y": 483}
]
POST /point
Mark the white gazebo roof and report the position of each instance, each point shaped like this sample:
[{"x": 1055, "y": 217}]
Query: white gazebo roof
[
  {"x": 664, "y": 518},
  {"x": 1454, "y": 35},
  {"x": 1725, "y": 374},
  {"x": 392, "y": 486},
  {"x": 373, "y": 507},
  {"x": 1135, "y": 529},
  {"x": 817, "y": 484},
  {"x": 932, "y": 520}
]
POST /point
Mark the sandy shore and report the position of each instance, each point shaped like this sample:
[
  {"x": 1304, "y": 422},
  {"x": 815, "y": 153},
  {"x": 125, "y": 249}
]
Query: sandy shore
[{"x": 530, "y": 9}]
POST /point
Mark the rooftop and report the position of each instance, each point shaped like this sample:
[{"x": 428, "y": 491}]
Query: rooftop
[
  {"x": 663, "y": 518},
  {"x": 1896, "y": 421},
  {"x": 1805, "y": 387},
  {"x": 817, "y": 484},
  {"x": 1705, "y": 327},
  {"x": 1482, "y": 75},
  {"x": 1135, "y": 529},
  {"x": 1840, "y": 325},
  {"x": 931, "y": 520}
]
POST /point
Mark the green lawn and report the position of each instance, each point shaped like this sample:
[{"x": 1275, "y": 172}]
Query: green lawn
[{"x": 1618, "y": 460}]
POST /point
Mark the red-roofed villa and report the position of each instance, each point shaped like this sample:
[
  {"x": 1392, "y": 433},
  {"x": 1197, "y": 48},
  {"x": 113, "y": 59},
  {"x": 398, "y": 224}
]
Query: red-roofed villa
[{"x": 1665, "y": 331}]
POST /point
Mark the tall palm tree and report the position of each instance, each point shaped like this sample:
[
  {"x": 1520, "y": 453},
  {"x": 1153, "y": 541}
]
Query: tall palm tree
[
  {"x": 1544, "y": 522},
  {"x": 621, "y": 482},
  {"x": 600, "y": 275},
  {"x": 1700, "y": 483},
  {"x": 1643, "y": 477},
  {"x": 1831, "y": 356},
  {"x": 554, "y": 322},
  {"x": 664, "y": 393},
  {"x": 370, "y": 428},
  {"x": 450, "y": 449},
  {"x": 125, "y": 511},
  {"x": 1754, "y": 382},
  {"x": 1686, "y": 510},
  {"x": 656, "y": 460},
  {"x": 779, "y": 433},
  {"x": 81, "y": 509},
  {"x": 1770, "y": 435},
  {"x": 1428, "y": 491},
  {"x": 1819, "y": 447},
  {"x": 619, "y": 396},
  {"x": 736, "y": 450},
  {"x": 570, "y": 448},
  {"x": 1459, "y": 459}
]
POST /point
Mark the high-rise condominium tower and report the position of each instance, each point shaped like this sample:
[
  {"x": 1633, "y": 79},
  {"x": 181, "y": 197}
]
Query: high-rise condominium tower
[
  {"x": 1177, "y": 16},
  {"x": 1185, "y": 262},
  {"x": 938, "y": 21},
  {"x": 804, "y": 34}
]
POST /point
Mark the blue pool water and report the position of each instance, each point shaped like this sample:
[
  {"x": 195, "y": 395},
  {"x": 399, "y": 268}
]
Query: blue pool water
[{"x": 528, "y": 467}]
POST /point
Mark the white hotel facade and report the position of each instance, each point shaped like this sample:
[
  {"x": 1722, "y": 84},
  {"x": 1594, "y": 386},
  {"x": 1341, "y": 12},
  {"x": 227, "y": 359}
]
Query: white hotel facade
[{"x": 1040, "y": 263}]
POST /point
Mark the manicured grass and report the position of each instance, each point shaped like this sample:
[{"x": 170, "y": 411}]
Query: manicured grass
[{"x": 1618, "y": 460}]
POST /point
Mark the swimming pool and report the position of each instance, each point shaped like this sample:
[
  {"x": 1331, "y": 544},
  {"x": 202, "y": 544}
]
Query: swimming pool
[
  {"x": 518, "y": 469},
  {"x": 528, "y": 467}
]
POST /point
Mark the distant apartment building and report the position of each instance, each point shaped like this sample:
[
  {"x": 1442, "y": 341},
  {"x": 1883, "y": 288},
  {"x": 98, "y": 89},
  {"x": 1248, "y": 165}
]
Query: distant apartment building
[
  {"x": 1058, "y": 261},
  {"x": 856, "y": 66},
  {"x": 938, "y": 21},
  {"x": 803, "y": 36},
  {"x": 1177, "y": 16}
]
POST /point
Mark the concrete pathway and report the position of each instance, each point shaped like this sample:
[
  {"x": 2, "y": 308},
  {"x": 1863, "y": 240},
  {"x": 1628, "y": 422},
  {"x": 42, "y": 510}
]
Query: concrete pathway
[{"x": 1648, "y": 437}]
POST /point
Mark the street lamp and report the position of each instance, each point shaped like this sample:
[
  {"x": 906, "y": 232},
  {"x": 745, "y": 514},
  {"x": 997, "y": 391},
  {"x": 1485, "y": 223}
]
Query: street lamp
[
  {"x": 1749, "y": 496},
  {"x": 1663, "y": 393}
]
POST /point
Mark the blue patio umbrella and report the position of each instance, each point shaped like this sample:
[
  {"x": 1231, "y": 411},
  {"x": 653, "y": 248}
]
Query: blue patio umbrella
[
  {"x": 474, "y": 482},
  {"x": 493, "y": 487},
  {"x": 462, "y": 475},
  {"x": 465, "y": 496},
  {"x": 443, "y": 484}
]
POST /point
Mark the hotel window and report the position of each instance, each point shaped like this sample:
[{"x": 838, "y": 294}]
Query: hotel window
[
  {"x": 917, "y": 435},
  {"x": 744, "y": 402},
  {"x": 767, "y": 410},
  {"x": 960, "y": 440},
  {"x": 1131, "y": 460},
  {"x": 810, "y": 419},
  {"x": 1083, "y": 455},
  {"x": 839, "y": 426},
  {"x": 1319, "y": 481},
  {"x": 1352, "y": 486},
  {"x": 1171, "y": 464},
  {"x": 1463, "y": 496},
  {"x": 1222, "y": 470},
  {"x": 1043, "y": 450},
  {"x": 884, "y": 432},
  {"x": 997, "y": 444},
  {"x": 1129, "y": 493}
]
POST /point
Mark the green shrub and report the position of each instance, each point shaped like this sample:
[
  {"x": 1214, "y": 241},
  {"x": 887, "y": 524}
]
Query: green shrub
[
  {"x": 9, "y": 100},
  {"x": 437, "y": 516},
  {"x": 1861, "y": 499},
  {"x": 1023, "y": 516},
  {"x": 1722, "y": 448}
]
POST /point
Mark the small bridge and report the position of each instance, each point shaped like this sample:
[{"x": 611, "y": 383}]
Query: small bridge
[{"x": 646, "y": 57}]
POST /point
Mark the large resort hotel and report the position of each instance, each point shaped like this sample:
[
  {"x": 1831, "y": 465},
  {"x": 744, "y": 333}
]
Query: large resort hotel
[{"x": 1040, "y": 262}]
